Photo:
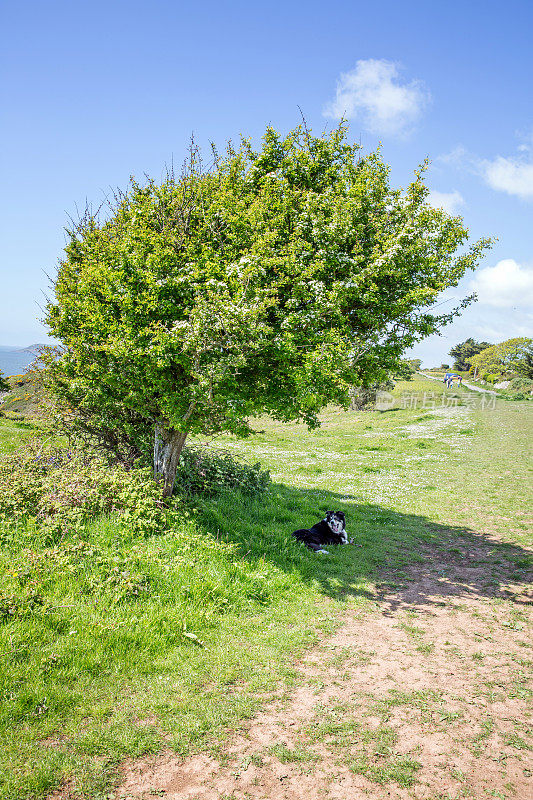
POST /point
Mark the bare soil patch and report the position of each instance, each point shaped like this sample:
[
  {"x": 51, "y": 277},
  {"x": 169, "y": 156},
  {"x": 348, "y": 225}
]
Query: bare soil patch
[{"x": 423, "y": 695}]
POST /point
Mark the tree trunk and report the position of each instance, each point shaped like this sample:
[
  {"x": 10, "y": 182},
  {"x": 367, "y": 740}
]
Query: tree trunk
[{"x": 167, "y": 450}]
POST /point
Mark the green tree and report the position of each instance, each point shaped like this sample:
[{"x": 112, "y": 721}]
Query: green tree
[
  {"x": 464, "y": 351},
  {"x": 270, "y": 283},
  {"x": 524, "y": 365},
  {"x": 404, "y": 371},
  {"x": 4, "y": 385},
  {"x": 501, "y": 359},
  {"x": 365, "y": 395}
]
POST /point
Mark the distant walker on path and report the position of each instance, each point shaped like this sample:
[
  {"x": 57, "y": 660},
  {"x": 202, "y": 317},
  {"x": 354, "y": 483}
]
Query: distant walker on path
[{"x": 449, "y": 378}]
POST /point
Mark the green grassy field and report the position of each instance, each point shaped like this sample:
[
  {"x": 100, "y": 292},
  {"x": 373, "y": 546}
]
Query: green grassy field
[{"x": 120, "y": 645}]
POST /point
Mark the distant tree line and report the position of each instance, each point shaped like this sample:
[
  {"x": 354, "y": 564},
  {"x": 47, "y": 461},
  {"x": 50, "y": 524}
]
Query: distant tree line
[
  {"x": 510, "y": 359},
  {"x": 463, "y": 352}
]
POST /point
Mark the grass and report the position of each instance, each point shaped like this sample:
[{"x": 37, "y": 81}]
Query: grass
[
  {"x": 394, "y": 768},
  {"x": 120, "y": 645},
  {"x": 366, "y": 751},
  {"x": 12, "y": 432},
  {"x": 288, "y": 755}
]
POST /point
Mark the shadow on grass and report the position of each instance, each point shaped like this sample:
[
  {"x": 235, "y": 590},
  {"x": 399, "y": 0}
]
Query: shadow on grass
[{"x": 407, "y": 558}]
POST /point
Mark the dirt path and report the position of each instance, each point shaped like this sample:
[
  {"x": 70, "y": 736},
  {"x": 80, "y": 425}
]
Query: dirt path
[
  {"x": 464, "y": 383},
  {"x": 421, "y": 695}
]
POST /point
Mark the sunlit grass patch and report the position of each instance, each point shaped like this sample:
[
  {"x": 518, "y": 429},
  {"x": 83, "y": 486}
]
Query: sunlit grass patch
[
  {"x": 366, "y": 751},
  {"x": 516, "y": 741},
  {"x": 288, "y": 755},
  {"x": 13, "y": 432},
  {"x": 383, "y": 768},
  {"x": 425, "y": 647}
]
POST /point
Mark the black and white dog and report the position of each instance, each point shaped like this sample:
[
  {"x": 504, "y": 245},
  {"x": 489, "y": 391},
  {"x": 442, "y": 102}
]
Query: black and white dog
[{"x": 330, "y": 530}]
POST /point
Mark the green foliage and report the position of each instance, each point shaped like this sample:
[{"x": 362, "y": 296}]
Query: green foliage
[
  {"x": 406, "y": 370},
  {"x": 500, "y": 359},
  {"x": 272, "y": 284},
  {"x": 208, "y": 472},
  {"x": 13, "y": 605},
  {"x": 524, "y": 365},
  {"x": 62, "y": 489},
  {"x": 362, "y": 397},
  {"x": 520, "y": 388},
  {"x": 415, "y": 363},
  {"x": 4, "y": 385},
  {"x": 463, "y": 351},
  {"x": 521, "y": 384}
]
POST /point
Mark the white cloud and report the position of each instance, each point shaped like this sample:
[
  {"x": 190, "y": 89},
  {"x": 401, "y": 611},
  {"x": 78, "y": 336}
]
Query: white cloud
[
  {"x": 449, "y": 201},
  {"x": 514, "y": 176},
  {"x": 507, "y": 284},
  {"x": 499, "y": 330},
  {"x": 372, "y": 92},
  {"x": 455, "y": 157},
  {"x": 526, "y": 139},
  {"x": 511, "y": 175}
]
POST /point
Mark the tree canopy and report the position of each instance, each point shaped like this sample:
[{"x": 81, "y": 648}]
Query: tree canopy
[
  {"x": 524, "y": 364},
  {"x": 270, "y": 282},
  {"x": 501, "y": 359},
  {"x": 463, "y": 351},
  {"x": 414, "y": 363}
]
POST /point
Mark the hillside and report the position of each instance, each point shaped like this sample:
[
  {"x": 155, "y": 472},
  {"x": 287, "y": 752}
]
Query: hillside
[
  {"x": 22, "y": 400},
  {"x": 15, "y": 360}
]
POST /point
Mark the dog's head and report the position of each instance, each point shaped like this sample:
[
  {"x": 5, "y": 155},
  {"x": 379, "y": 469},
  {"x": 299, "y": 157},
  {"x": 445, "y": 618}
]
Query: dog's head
[{"x": 336, "y": 521}]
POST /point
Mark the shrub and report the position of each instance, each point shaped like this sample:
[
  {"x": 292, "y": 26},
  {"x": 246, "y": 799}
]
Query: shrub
[
  {"x": 205, "y": 471},
  {"x": 363, "y": 397},
  {"x": 519, "y": 388},
  {"x": 62, "y": 489},
  {"x": 520, "y": 384}
]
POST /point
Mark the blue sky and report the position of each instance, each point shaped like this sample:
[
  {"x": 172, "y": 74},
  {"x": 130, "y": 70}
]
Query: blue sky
[{"x": 95, "y": 92}]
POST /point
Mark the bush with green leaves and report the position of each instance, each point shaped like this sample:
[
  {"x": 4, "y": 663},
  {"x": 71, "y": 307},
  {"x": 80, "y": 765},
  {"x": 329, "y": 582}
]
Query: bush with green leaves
[
  {"x": 61, "y": 489},
  {"x": 206, "y": 471},
  {"x": 4, "y": 385},
  {"x": 490, "y": 377},
  {"x": 502, "y": 359},
  {"x": 520, "y": 388},
  {"x": 521, "y": 384},
  {"x": 524, "y": 365},
  {"x": 364, "y": 397}
]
